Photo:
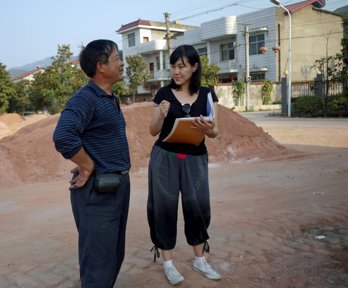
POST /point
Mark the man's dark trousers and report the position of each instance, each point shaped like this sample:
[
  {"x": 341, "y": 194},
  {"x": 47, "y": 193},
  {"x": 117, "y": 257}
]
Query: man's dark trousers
[{"x": 101, "y": 221}]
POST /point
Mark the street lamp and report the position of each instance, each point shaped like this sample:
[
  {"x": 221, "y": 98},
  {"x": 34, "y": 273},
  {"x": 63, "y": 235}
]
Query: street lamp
[{"x": 276, "y": 2}]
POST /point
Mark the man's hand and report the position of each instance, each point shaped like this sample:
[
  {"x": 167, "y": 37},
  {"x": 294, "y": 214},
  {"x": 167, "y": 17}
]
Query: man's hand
[
  {"x": 80, "y": 177},
  {"x": 83, "y": 170}
]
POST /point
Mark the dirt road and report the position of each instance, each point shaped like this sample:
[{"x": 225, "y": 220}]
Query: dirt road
[{"x": 266, "y": 216}]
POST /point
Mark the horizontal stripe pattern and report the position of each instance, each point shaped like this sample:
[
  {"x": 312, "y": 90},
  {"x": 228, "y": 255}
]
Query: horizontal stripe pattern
[{"x": 93, "y": 120}]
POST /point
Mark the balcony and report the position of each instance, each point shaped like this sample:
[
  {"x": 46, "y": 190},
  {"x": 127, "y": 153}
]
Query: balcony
[
  {"x": 228, "y": 66},
  {"x": 152, "y": 46},
  {"x": 219, "y": 28},
  {"x": 161, "y": 75}
]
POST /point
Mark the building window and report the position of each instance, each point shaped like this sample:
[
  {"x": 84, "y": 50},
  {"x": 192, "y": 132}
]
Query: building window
[
  {"x": 131, "y": 40},
  {"x": 158, "y": 64},
  {"x": 227, "y": 51},
  {"x": 151, "y": 67},
  {"x": 255, "y": 43},
  {"x": 145, "y": 39},
  {"x": 258, "y": 76},
  {"x": 202, "y": 51}
]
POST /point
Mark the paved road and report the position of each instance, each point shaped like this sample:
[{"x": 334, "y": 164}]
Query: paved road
[{"x": 273, "y": 118}]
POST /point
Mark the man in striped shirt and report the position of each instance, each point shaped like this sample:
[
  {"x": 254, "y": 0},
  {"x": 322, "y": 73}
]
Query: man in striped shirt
[{"x": 91, "y": 132}]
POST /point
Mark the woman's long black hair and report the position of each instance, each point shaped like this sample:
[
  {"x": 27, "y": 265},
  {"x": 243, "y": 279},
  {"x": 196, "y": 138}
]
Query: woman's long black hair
[{"x": 193, "y": 58}]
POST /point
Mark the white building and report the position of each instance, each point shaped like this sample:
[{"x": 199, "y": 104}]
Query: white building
[
  {"x": 29, "y": 75},
  {"x": 148, "y": 38},
  {"x": 316, "y": 33}
]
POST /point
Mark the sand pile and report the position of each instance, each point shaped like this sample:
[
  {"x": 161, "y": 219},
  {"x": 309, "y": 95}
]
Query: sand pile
[
  {"x": 12, "y": 122},
  {"x": 11, "y": 119},
  {"x": 29, "y": 155},
  {"x": 7, "y": 121},
  {"x": 4, "y": 130},
  {"x": 240, "y": 139}
]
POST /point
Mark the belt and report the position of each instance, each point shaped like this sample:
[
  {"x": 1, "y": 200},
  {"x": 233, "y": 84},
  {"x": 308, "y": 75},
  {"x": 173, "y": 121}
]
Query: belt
[
  {"x": 122, "y": 172},
  {"x": 180, "y": 155}
]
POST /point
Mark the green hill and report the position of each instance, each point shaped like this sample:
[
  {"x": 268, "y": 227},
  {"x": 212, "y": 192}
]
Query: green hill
[{"x": 342, "y": 11}]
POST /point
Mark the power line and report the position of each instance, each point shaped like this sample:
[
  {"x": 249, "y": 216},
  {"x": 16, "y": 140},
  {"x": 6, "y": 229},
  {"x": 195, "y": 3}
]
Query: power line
[
  {"x": 213, "y": 10},
  {"x": 298, "y": 23},
  {"x": 195, "y": 7},
  {"x": 236, "y": 3},
  {"x": 269, "y": 40}
]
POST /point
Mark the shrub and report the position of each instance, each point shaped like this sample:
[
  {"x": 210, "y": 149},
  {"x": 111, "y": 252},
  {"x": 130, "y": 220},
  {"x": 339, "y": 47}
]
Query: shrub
[
  {"x": 308, "y": 106},
  {"x": 238, "y": 90},
  {"x": 266, "y": 91},
  {"x": 338, "y": 105}
]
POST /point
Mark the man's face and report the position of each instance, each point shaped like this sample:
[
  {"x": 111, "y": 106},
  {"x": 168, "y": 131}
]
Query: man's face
[{"x": 114, "y": 67}]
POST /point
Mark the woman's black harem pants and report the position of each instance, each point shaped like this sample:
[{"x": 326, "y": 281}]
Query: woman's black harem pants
[{"x": 169, "y": 175}]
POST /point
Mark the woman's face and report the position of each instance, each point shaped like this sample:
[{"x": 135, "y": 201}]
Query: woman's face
[{"x": 182, "y": 71}]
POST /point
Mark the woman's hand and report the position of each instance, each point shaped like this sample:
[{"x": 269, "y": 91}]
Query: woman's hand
[
  {"x": 160, "y": 112},
  {"x": 164, "y": 108},
  {"x": 206, "y": 126}
]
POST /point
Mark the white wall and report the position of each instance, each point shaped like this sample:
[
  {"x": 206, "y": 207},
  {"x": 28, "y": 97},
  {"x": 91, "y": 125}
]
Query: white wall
[
  {"x": 225, "y": 95},
  {"x": 256, "y": 20}
]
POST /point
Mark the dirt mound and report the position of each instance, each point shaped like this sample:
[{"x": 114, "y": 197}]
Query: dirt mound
[
  {"x": 9, "y": 122},
  {"x": 11, "y": 118},
  {"x": 30, "y": 156},
  {"x": 239, "y": 140},
  {"x": 4, "y": 130}
]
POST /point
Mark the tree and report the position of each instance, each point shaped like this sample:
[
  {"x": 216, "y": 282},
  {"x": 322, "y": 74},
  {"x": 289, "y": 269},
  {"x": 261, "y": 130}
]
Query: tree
[
  {"x": 6, "y": 88},
  {"x": 335, "y": 68},
  {"x": 20, "y": 100},
  {"x": 137, "y": 72},
  {"x": 39, "y": 92},
  {"x": 332, "y": 70},
  {"x": 120, "y": 89},
  {"x": 52, "y": 89},
  {"x": 345, "y": 53},
  {"x": 209, "y": 72}
]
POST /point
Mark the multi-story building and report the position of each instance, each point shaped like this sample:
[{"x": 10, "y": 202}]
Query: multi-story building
[
  {"x": 149, "y": 39},
  {"x": 316, "y": 33}
]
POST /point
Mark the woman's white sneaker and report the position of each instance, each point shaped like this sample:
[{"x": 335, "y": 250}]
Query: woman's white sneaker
[
  {"x": 173, "y": 276},
  {"x": 203, "y": 267}
]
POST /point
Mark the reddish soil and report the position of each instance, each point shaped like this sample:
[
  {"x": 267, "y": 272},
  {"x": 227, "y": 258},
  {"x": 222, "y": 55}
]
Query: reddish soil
[{"x": 273, "y": 191}]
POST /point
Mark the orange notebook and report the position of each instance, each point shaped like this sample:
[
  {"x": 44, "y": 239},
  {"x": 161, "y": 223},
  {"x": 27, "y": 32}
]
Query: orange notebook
[{"x": 182, "y": 132}]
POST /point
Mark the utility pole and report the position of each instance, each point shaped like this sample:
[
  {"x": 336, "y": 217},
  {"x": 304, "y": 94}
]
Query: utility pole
[
  {"x": 247, "y": 73},
  {"x": 277, "y": 2},
  {"x": 326, "y": 77},
  {"x": 169, "y": 35}
]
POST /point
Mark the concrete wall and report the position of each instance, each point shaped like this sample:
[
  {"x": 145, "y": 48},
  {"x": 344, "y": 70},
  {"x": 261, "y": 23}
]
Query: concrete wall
[
  {"x": 315, "y": 34},
  {"x": 225, "y": 95}
]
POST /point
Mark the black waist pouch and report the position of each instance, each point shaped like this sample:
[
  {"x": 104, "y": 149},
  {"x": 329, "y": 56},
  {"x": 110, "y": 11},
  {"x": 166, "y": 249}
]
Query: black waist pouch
[{"x": 107, "y": 182}]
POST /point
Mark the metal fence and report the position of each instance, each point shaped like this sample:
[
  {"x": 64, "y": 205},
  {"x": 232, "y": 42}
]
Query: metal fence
[
  {"x": 317, "y": 88},
  {"x": 302, "y": 89}
]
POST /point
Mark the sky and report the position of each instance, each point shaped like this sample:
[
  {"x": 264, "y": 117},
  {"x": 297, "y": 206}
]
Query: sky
[{"x": 31, "y": 30}]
